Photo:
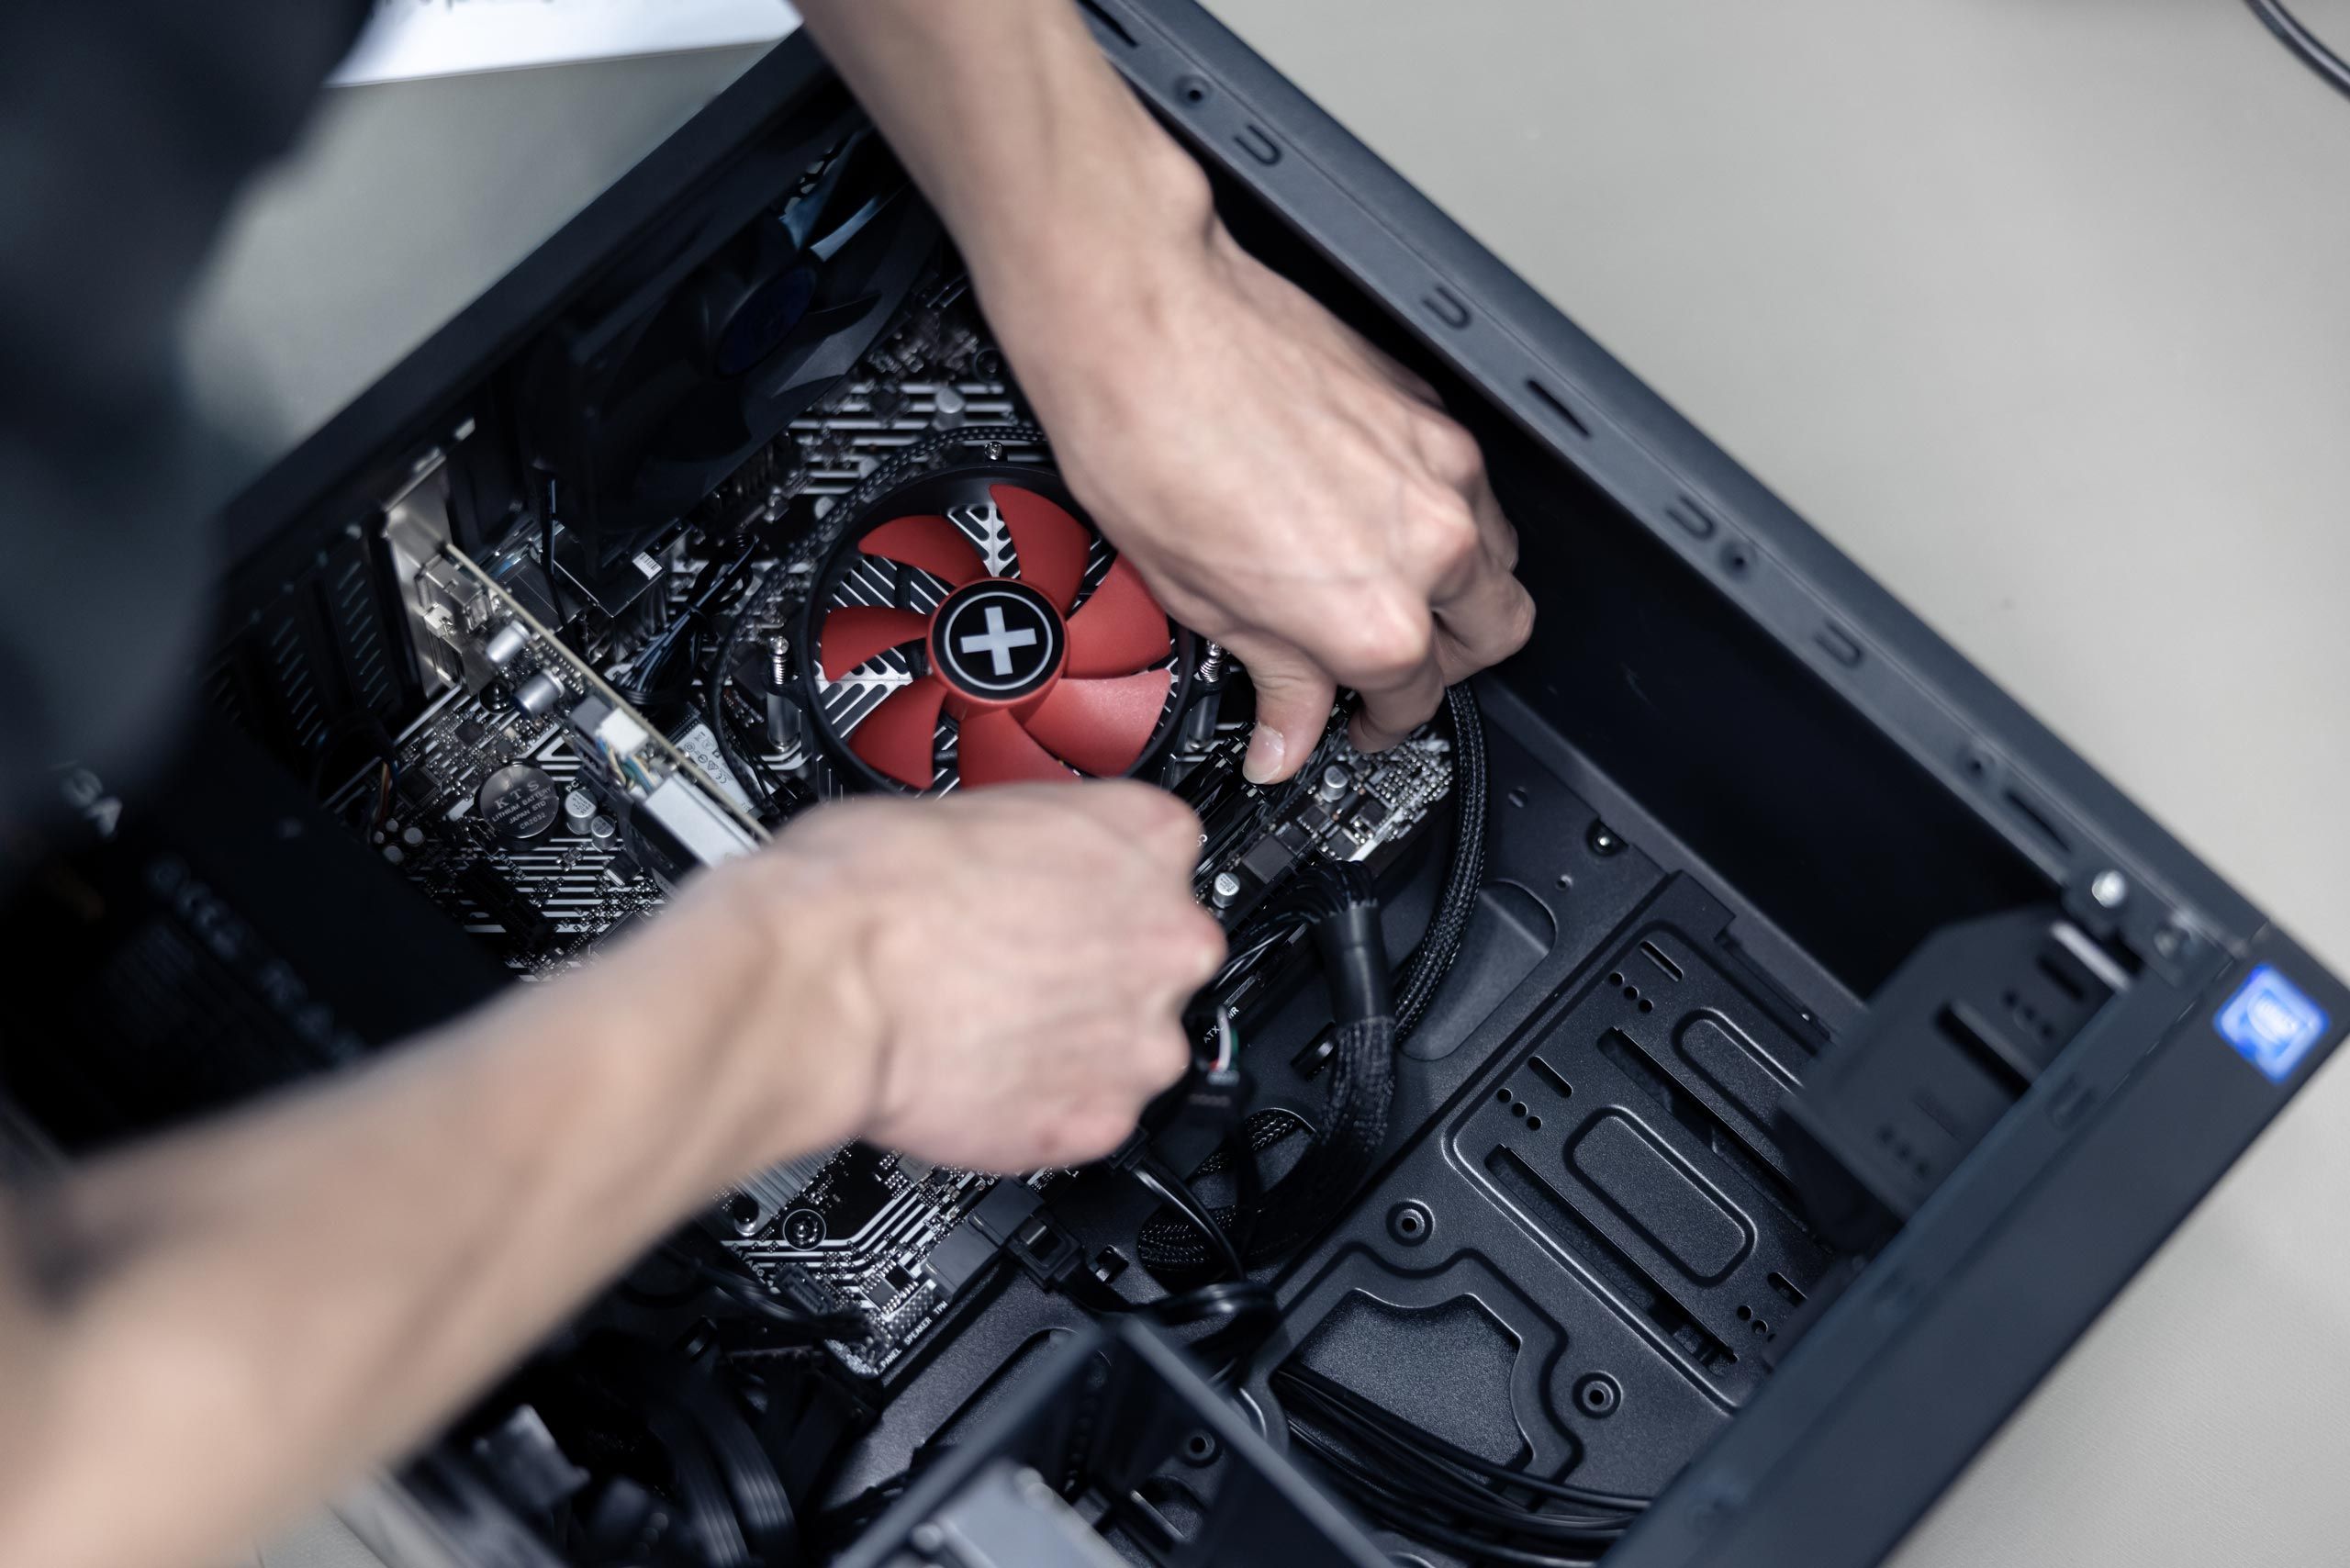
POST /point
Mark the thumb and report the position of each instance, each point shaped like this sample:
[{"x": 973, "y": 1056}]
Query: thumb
[{"x": 1293, "y": 698}]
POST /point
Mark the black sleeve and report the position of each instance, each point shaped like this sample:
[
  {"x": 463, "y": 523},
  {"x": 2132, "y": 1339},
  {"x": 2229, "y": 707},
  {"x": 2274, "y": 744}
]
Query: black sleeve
[{"x": 126, "y": 129}]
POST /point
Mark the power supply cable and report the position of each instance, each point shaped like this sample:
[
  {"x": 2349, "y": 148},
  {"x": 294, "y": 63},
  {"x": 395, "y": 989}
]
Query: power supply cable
[
  {"x": 2307, "y": 47},
  {"x": 1340, "y": 909},
  {"x": 1443, "y": 1495},
  {"x": 1425, "y": 975}
]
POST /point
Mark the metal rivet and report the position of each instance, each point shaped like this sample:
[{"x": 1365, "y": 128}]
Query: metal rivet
[{"x": 2110, "y": 890}]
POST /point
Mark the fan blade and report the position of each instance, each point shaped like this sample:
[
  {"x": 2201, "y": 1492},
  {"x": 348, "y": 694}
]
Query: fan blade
[
  {"x": 934, "y": 545},
  {"x": 899, "y": 737},
  {"x": 1120, "y": 629},
  {"x": 855, "y": 633},
  {"x": 994, "y": 749},
  {"x": 1051, "y": 545},
  {"x": 1102, "y": 726}
]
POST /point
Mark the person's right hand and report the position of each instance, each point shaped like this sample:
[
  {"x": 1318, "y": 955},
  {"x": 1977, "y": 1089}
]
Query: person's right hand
[{"x": 1003, "y": 969}]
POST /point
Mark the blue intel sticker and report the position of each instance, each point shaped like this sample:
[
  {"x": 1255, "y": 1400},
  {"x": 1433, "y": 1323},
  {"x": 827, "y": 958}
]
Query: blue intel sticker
[{"x": 2272, "y": 1022}]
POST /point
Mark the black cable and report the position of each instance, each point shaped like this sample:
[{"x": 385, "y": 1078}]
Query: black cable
[
  {"x": 2305, "y": 46},
  {"x": 1173, "y": 1192},
  {"x": 1441, "y": 944},
  {"x": 1443, "y": 1495}
]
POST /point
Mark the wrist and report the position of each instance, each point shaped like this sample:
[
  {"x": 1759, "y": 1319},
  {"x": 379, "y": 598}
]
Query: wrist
[
  {"x": 745, "y": 1009},
  {"x": 1121, "y": 240}
]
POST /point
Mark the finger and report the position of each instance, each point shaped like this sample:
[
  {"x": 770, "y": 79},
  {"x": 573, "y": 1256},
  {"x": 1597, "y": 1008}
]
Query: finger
[
  {"x": 1394, "y": 709},
  {"x": 1162, "y": 1055},
  {"x": 1483, "y": 626},
  {"x": 1486, "y": 615},
  {"x": 1197, "y": 953},
  {"x": 1136, "y": 813},
  {"x": 1293, "y": 700}
]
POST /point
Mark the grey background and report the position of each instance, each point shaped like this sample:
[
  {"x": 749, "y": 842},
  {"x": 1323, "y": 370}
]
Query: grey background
[{"x": 2034, "y": 307}]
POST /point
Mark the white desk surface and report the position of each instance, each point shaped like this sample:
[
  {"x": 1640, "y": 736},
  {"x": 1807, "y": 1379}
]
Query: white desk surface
[{"x": 2035, "y": 309}]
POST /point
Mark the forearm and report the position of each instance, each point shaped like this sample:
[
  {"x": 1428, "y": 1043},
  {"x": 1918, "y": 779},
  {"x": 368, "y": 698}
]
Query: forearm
[
  {"x": 1051, "y": 175},
  {"x": 309, "y": 1287}
]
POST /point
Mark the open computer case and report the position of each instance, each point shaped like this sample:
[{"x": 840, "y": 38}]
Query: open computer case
[{"x": 1819, "y": 1044}]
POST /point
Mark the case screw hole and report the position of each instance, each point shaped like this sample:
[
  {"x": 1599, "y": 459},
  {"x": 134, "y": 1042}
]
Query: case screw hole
[
  {"x": 1603, "y": 840},
  {"x": 1410, "y": 1223},
  {"x": 1192, "y": 90},
  {"x": 1200, "y": 1448},
  {"x": 1598, "y": 1395}
]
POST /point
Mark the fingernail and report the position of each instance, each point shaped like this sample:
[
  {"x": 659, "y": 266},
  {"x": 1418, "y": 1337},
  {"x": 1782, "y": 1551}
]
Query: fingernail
[{"x": 1266, "y": 749}]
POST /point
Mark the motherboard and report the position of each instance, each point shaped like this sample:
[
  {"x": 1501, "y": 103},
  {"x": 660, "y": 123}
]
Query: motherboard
[{"x": 557, "y": 789}]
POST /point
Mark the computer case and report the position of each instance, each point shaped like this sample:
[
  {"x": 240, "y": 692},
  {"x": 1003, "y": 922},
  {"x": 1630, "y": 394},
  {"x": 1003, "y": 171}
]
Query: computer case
[{"x": 1829, "y": 1044}]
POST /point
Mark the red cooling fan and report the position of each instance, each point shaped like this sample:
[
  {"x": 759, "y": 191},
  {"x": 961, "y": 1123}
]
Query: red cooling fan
[{"x": 1049, "y": 670}]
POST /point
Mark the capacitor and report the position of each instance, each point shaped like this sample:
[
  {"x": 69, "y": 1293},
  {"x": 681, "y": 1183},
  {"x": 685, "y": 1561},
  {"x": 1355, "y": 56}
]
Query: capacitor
[
  {"x": 578, "y": 811},
  {"x": 602, "y": 831},
  {"x": 1334, "y": 780},
  {"x": 506, "y": 643},
  {"x": 949, "y": 406},
  {"x": 1223, "y": 889},
  {"x": 538, "y": 695},
  {"x": 519, "y": 802}
]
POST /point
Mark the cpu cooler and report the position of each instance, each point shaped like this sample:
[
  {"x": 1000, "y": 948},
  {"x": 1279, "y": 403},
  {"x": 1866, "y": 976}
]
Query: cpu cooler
[{"x": 972, "y": 628}]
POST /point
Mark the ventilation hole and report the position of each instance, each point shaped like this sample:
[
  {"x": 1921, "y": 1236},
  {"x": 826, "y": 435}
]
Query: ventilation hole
[
  {"x": 1656, "y": 956},
  {"x": 1534, "y": 1124},
  {"x": 1744, "y": 1313},
  {"x": 1646, "y": 1006},
  {"x": 1503, "y": 1096},
  {"x": 1193, "y": 90},
  {"x": 2032, "y": 815},
  {"x": 1551, "y": 1076},
  {"x": 1631, "y": 993},
  {"x": 1615, "y": 979},
  {"x": 1786, "y": 1289},
  {"x": 1117, "y": 28},
  {"x": 1518, "y": 1109},
  {"x": 1552, "y": 401}
]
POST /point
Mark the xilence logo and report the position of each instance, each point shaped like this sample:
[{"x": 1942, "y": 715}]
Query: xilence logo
[{"x": 997, "y": 641}]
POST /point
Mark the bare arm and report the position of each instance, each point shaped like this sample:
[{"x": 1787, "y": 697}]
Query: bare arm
[
  {"x": 199, "y": 1336},
  {"x": 1286, "y": 488}
]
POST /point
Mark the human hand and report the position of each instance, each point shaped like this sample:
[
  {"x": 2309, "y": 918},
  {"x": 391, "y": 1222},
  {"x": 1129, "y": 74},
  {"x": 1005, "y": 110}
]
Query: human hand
[
  {"x": 1000, "y": 973},
  {"x": 1285, "y": 488}
]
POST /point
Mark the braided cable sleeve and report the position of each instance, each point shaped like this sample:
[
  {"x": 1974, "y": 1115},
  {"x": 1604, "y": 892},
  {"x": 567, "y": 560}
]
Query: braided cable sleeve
[
  {"x": 1302, "y": 1202},
  {"x": 1358, "y": 1092},
  {"x": 1433, "y": 960}
]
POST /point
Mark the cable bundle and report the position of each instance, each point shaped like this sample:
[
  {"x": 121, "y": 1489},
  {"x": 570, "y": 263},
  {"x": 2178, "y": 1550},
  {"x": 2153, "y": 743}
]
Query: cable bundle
[{"x": 1424, "y": 1487}]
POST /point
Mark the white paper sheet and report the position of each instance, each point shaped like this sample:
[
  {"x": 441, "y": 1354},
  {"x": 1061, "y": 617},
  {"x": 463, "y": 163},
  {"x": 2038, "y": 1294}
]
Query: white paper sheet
[{"x": 444, "y": 38}]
